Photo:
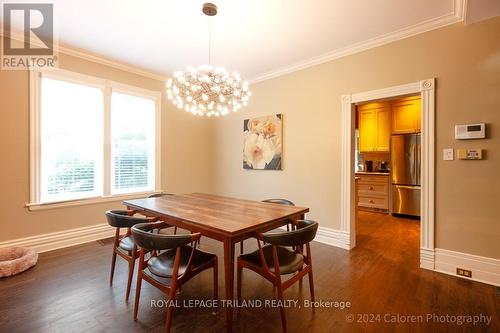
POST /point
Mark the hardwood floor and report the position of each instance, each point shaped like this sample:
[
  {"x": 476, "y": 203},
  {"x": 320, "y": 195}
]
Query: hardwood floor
[{"x": 68, "y": 291}]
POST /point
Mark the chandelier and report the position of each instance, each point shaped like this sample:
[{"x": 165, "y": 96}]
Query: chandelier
[{"x": 207, "y": 90}]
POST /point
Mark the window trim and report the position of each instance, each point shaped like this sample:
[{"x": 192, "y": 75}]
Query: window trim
[{"x": 107, "y": 87}]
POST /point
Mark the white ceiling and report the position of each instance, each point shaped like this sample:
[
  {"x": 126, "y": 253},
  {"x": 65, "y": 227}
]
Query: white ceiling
[{"x": 253, "y": 37}]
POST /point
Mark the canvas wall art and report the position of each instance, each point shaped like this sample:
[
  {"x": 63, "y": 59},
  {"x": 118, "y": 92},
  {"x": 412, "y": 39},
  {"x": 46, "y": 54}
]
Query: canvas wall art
[{"x": 262, "y": 142}]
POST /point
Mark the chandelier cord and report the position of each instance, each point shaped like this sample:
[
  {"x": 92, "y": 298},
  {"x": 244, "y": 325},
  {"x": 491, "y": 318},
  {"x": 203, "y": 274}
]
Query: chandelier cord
[
  {"x": 209, "y": 41},
  {"x": 207, "y": 91}
]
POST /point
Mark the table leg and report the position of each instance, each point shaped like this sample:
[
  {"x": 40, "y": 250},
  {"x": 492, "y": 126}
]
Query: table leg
[{"x": 229, "y": 282}]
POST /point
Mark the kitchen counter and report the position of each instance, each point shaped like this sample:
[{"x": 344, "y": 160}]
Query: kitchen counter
[{"x": 375, "y": 173}]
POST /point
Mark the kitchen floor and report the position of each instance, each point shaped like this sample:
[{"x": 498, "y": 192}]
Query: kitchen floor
[{"x": 373, "y": 230}]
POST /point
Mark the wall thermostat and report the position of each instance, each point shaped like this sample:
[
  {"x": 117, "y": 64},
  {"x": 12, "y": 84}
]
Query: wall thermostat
[{"x": 470, "y": 131}]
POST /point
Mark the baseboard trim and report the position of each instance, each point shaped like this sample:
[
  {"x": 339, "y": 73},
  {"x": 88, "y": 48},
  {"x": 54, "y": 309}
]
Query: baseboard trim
[
  {"x": 484, "y": 269},
  {"x": 333, "y": 237},
  {"x": 61, "y": 239},
  {"x": 71, "y": 237},
  {"x": 427, "y": 258}
]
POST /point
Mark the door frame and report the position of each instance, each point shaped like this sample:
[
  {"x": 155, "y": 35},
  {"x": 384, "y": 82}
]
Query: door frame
[{"x": 426, "y": 89}]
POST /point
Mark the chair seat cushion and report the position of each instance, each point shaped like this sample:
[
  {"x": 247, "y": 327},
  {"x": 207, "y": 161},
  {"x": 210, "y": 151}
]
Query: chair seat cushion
[
  {"x": 290, "y": 262},
  {"x": 163, "y": 265},
  {"x": 126, "y": 243}
]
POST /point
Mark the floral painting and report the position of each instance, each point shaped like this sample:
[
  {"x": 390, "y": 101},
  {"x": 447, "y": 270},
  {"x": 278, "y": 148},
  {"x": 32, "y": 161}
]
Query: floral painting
[{"x": 262, "y": 142}]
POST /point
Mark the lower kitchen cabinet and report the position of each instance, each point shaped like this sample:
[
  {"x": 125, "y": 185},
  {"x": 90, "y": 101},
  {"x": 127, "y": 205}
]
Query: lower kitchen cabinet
[{"x": 373, "y": 191}]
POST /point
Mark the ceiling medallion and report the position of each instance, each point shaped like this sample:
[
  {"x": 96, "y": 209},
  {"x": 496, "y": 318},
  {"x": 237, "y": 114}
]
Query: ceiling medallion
[{"x": 206, "y": 90}]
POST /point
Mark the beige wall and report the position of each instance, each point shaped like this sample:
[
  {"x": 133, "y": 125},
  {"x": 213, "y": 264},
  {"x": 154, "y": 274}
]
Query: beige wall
[
  {"x": 185, "y": 155},
  {"x": 466, "y": 62},
  {"x": 206, "y": 155}
]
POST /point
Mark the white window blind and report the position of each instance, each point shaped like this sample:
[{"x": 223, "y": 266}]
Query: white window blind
[
  {"x": 91, "y": 138},
  {"x": 71, "y": 140},
  {"x": 132, "y": 143}
]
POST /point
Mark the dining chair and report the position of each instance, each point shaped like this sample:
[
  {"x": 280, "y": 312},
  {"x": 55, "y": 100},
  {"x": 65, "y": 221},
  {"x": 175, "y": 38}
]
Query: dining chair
[
  {"x": 281, "y": 202},
  {"x": 168, "y": 271},
  {"x": 276, "y": 259},
  {"x": 275, "y": 201},
  {"x": 124, "y": 246},
  {"x": 159, "y": 195}
]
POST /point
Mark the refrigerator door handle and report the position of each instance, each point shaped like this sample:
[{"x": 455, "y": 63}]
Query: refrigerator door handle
[
  {"x": 413, "y": 161},
  {"x": 418, "y": 156},
  {"x": 408, "y": 187}
]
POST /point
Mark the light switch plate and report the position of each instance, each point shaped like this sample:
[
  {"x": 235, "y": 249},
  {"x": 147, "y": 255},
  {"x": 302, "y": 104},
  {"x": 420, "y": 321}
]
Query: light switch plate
[{"x": 448, "y": 154}]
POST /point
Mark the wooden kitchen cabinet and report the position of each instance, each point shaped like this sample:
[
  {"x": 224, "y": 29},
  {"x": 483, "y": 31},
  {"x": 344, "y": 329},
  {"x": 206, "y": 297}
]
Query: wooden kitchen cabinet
[
  {"x": 367, "y": 127},
  {"x": 384, "y": 129},
  {"x": 406, "y": 115},
  {"x": 374, "y": 123},
  {"x": 372, "y": 191}
]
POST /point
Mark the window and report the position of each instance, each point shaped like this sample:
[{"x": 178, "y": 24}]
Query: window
[
  {"x": 71, "y": 140},
  {"x": 91, "y": 138},
  {"x": 132, "y": 143}
]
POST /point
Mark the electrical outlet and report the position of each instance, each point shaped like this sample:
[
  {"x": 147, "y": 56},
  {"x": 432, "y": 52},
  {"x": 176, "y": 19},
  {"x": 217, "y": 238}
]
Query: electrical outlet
[{"x": 464, "y": 272}]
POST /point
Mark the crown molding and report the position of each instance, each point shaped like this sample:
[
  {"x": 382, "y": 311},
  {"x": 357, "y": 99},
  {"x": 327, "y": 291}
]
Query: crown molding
[
  {"x": 458, "y": 15},
  {"x": 93, "y": 57},
  {"x": 85, "y": 55}
]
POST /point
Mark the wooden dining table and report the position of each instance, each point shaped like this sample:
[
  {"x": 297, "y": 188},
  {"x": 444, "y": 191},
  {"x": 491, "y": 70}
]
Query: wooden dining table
[{"x": 224, "y": 219}]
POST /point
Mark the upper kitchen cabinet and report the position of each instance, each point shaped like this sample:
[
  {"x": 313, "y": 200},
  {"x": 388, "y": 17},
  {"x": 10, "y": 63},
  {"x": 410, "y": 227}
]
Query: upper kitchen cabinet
[
  {"x": 374, "y": 123},
  {"x": 367, "y": 126},
  {"x": 406, "y": 115},
  {"x": 384, "y": 129}
]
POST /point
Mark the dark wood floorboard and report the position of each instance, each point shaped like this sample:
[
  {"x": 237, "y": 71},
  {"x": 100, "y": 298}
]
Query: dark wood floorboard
[{"x": 68, "y": 291}]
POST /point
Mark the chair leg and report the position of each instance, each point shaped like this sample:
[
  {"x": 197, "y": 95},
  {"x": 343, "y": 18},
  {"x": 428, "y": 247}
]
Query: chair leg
[
  {"x": 311, "y": 285},
  {"x": 116, "y": 241},
  {"x": 175, "y": 230},
  {"x": 170, "y": 308},
  {"x": 137, "y": 293},
  {"x": 131, "y": 265},
  {"x": 113, "y": 263},
  {"x": 300, "y": 280},
  {"x": 241, "y": 247},
  {"x": 282, "y": 308}
]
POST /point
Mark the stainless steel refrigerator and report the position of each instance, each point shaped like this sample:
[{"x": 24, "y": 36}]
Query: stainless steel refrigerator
[{"x": 405, "y": 168}]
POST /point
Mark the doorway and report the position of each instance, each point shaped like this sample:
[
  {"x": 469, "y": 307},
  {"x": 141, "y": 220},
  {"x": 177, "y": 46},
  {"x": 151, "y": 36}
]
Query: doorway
[
  {"x": 387, "y": 177},
  {"x": 426, "y": 90}
]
